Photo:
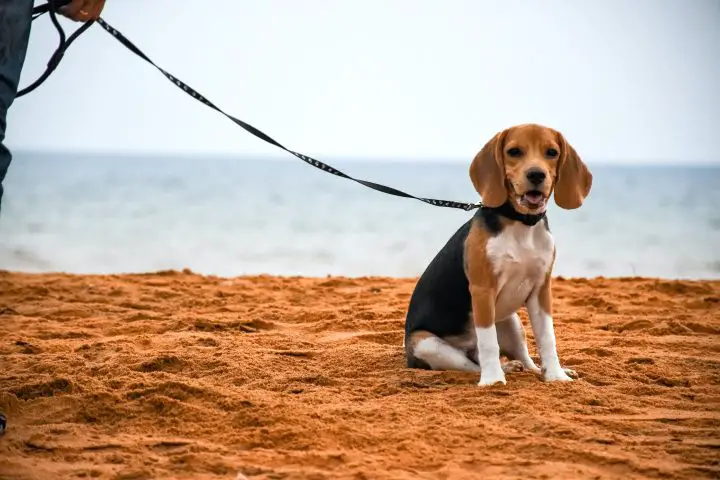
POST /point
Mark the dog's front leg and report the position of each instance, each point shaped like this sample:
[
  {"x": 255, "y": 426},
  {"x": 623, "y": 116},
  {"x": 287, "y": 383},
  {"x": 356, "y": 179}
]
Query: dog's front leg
[
  {"x": 539, "y": 307},
  {"x": 483, "y": 312}
]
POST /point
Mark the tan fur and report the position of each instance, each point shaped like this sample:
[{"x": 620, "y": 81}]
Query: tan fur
[
  {"x": 545, "y": 294},
  {"x": 415, "y": 338},
  {"x": 574, "y": 180},
  {"x": 499, "y": 177},
  {"x": 487, "y": 172},
  {"x": 483, "y": 285},
  {"x": 418, "y": 335}
]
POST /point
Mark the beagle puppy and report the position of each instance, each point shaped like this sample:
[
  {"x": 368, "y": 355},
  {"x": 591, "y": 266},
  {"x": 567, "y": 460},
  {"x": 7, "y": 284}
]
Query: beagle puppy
[{"x": 463, "y": 311}]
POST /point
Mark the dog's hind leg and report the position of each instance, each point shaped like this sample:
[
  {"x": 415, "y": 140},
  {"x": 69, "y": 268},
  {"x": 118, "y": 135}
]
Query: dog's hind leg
[
  {"x": 511, "y": 338},
  {"x": 439, "y": 354}
]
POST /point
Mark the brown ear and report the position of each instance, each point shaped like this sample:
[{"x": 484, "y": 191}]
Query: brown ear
[
  {"x": 487, "y": 172},
  {"x": 573, "y": 178}
]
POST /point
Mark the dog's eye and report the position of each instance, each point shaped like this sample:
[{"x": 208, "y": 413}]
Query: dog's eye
[
  {"x": 514, "y": 152},
  {"x": 551, "y": 152}
]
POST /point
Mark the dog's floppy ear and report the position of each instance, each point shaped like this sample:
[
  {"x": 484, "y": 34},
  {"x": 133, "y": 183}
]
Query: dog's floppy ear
[
  {"x": 574, "y": 180},
  {"x": 487, "y": 172}
]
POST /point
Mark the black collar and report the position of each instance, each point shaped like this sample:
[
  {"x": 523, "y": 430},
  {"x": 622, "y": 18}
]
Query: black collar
[{"x": 507, "y": 211}]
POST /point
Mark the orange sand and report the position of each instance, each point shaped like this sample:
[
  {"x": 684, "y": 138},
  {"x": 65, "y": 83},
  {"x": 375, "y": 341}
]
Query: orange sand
[{"x": 176, "y": 375}]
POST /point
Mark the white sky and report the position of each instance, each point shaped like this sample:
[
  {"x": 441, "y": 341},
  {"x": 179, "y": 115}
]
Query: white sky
[{"x": 634, "y": 80}]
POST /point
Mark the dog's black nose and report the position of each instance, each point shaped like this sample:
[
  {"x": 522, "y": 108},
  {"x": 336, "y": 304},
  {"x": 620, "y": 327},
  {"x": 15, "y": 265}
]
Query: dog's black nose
[{"x": 535, "y": 176}]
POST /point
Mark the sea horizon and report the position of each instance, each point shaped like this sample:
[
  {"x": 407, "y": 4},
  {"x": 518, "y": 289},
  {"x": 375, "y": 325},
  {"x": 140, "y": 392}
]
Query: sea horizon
[{"x": 231, "y": 215}]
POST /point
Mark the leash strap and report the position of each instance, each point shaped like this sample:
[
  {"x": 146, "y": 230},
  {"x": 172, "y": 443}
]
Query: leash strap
[
  {"x": 263, "y": 136},
  {"x": 52, "y": 5}
]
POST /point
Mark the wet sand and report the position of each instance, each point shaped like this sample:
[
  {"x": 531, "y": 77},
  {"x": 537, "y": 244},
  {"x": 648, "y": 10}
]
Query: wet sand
[{"x": 177, "y": 375}]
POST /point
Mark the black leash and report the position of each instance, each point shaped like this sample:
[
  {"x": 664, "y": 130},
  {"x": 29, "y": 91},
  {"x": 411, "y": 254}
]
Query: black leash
[
  {"x": 51, "y": 7},
  {"x": 64, "y": 44}
]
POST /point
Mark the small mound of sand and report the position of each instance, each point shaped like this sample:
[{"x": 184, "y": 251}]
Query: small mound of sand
[{"x": 176, "y": 375}]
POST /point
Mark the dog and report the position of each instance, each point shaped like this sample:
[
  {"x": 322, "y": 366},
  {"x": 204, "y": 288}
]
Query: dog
[{"x": 462, "y": 314}]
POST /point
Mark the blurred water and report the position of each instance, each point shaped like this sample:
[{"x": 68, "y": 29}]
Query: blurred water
[{"x": 112, "y": 214}]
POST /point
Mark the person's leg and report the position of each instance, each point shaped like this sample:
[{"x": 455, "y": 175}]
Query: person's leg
[{"x": 15, "y": 20}]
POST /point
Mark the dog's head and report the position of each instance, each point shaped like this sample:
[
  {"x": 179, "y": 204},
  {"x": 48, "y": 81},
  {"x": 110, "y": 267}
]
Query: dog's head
[{"x": 524, "y": 165}]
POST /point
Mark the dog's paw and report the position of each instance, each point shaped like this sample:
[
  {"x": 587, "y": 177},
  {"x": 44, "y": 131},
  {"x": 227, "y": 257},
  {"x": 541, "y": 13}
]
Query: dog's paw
[
  {"x": 556, "y": 375},
  {"x": 491, "y": 378},
  {"x": 534, "y": 369},
  {"x": 513, "y": 366},
  {"x": 571, "y": 373}
]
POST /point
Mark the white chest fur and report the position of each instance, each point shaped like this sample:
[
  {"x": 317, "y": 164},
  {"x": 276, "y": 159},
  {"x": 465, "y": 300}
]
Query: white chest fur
[{"x": 521, "y": 257}]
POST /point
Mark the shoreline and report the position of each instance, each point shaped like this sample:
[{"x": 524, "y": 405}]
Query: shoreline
[{"x": 187, "y": 271}]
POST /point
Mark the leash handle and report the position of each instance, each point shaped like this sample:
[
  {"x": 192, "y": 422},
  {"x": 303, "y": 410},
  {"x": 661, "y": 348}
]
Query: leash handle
[
  {"x": 50, "y": 5},
  {"x": 64, "y": 43}
]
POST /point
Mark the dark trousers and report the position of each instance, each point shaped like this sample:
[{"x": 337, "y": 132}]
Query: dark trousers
[{"x": 15, "y": 20}]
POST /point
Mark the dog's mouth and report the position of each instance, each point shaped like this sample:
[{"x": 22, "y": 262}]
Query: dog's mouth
[{"x": 533, "y": 199}]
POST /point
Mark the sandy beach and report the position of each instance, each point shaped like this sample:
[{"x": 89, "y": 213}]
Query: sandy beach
[{"x": 178, "y": 375}]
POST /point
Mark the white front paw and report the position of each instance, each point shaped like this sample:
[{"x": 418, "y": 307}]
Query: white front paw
[
  {"x": 492, "y": 377},
  {"x": 556, "y": 375}
]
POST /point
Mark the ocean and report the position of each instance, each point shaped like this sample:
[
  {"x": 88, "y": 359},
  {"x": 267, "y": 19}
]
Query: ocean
[{"x": 235, "y": 216}]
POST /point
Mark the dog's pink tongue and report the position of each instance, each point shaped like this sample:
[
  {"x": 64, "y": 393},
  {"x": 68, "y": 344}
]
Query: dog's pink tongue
[{"x": 533, "y": 197}]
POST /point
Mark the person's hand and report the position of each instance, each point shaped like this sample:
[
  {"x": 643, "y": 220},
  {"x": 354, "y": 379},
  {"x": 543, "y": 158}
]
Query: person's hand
[{"x": 83, "y": 10}]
